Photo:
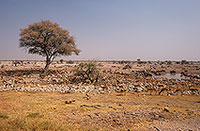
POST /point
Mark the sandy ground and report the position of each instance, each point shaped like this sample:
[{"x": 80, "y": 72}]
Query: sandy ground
[
  {"x": 102, "y": 112},
  {"x": 93, "y": 111}
]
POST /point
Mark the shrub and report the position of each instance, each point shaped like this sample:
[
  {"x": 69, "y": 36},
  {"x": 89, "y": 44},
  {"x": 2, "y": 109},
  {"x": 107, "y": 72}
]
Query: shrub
[
  {"x": 127, "y": 67},
  {"x": 61, "y": 61},
  {"x": 86, "y": 73},
  {"x": 34, "y": 115},
  {"x": 70, "y": 62},
  {"x": 169, "y": 62},
  {"x": 3, "y": 116},
  {"x": 184, "y": 62}
]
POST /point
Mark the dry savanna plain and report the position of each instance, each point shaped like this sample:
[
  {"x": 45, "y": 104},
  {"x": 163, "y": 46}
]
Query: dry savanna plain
[{"x": 100, "y": 95}]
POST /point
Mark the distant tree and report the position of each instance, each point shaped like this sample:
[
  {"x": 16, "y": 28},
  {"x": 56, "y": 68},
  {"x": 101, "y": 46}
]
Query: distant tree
[
  {"x": 48, "y": 40},
  {"x": 70, "y": 62},
  {"x": 184, "y": 62},
  {"x": 169, "y": 62},
  {"x": 61, "y": 61},
  {"x": 138, "y": 60}
]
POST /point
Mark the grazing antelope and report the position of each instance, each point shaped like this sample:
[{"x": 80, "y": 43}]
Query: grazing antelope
[
  {"x": 121, "y": 90},
  {"x": 178, "y": 90},
  {"x": 165, "y": 89},
  {"x": 152, "y": 89}
]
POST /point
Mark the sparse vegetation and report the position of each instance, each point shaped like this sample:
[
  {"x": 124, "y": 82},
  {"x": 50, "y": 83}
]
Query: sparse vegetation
[
  {"x": 139, "y": 70},
  {"x": 127, "y": 67},
  {"x": 184, "y": 62},
  {"x": 24, "y": 124},
  {"x": 134, "y": 112},
  {"x": 70, "y": 62},
  {"x": 169, "y": 62},
  {"x": 61, "y": 61},
  {"x": 86, "y": 73},
  {"x": 3, "y": 116},
  {"x": 34, "y": 115},
  {"x": 98, "y": 96}
]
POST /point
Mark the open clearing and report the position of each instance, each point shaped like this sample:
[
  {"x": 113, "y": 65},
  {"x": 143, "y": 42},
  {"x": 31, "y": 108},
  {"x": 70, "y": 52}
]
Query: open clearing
[
  {"x": 127, "y": 96},
  {"x": 55, "y": 111}
]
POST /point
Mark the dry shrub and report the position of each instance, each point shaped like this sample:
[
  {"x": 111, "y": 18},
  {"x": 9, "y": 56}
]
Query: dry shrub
[
  {"x": 3, "y": 116},
  {"x": 70, "y": 62},
  {"x": 86, "y": 73}
]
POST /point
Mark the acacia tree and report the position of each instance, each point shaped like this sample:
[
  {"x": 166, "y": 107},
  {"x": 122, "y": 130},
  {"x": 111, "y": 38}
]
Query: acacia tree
[{"x": 48, "y": 40}]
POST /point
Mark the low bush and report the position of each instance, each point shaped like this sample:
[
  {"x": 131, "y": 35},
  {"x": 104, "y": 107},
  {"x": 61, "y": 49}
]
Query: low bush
[
  {"x": 86, "y": 73},
  {"x": 3, "y": 116}
]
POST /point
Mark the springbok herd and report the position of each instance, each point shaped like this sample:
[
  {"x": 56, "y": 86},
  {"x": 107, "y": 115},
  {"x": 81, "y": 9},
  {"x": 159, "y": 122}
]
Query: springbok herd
[{"x": 116, "y": 76}]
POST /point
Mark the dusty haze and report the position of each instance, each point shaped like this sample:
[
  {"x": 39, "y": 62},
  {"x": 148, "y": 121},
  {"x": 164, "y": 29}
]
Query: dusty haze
[{"x": 106, "y": 30}]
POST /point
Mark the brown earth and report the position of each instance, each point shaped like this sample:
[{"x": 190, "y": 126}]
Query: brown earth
[
  {"x": 26, "y": 111},
  {"x": 92, "y": 111}
]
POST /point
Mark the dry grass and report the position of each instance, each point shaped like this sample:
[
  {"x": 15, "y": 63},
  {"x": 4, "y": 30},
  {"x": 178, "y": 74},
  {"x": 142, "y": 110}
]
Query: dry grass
[{"x": 48, "y": 111}]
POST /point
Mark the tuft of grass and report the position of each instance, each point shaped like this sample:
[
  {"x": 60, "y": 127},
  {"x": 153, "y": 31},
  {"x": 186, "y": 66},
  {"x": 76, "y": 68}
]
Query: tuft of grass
[
  {"x": 15, "y": 124},
  {"x": 34, "y": 111},
  {"x": 34, "y": 115},
  {"x": 24, "y": 124},
  {"x": 3, "y": 116}
]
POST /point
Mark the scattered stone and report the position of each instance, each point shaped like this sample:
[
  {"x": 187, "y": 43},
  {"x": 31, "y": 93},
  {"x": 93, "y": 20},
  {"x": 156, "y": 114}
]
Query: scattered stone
[
  {"x": 166, "y": 109},
  {"x": 96, "y": 114},
  {"x": 69, "y": 102},
  {"x": 112, "y": 108},
  {"x": 156, "y": 128},
  {"x": 90, "y": 116},
  {"x": 95, "y": 106},
  {"x": 119, "y": 94},
  {"x": 53, "y": 108},
  {"x": 122, "y": 82},
  {"x": 198, "y": 102},
  {"x": 127, "y": 67}
]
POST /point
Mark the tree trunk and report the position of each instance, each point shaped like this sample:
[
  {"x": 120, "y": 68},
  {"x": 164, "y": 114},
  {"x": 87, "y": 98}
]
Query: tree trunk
[{"x": 48, "y": 62}]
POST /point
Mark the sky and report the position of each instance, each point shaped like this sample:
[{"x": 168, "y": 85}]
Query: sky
[{"x": 109, "y": 29}]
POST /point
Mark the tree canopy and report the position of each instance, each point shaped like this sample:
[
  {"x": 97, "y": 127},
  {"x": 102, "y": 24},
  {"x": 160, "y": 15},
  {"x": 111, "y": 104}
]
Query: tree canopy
[{"x": 48, "y": 40}]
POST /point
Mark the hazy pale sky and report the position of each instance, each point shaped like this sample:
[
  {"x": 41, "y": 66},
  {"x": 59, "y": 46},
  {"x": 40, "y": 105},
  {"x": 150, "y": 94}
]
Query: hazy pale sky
[{"x": 109, "y": 29}]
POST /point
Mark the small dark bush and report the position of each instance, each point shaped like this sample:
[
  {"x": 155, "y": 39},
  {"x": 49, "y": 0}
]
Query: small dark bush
[
  {"x": 34, "y": 115},
  {"x": 173, "y": 72},
  {"x": 70, "y": 62},
  {"x": 86, "y": 73},
  {"x": 3, "y": 116},
  {"x": 169, "y": 62},
  {"x": 61, "y": 61},
  {"x": 184, "y": 62},
  {"x": 127, "y": 67}
]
